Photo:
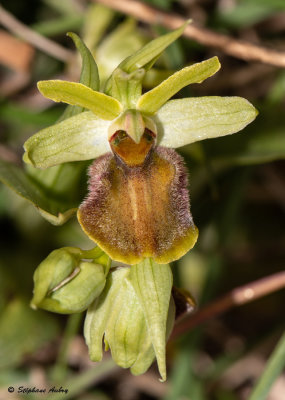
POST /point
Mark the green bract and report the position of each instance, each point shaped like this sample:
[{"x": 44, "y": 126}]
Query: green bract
[
  {"x": 135, "y": 314},
  {"x": 179, "y": 122}
]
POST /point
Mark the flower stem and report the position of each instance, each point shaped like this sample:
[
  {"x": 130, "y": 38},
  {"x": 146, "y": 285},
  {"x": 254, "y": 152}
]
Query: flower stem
[
  {"x": 238, "y": 296},
  {"x": 59, "y": 371}
]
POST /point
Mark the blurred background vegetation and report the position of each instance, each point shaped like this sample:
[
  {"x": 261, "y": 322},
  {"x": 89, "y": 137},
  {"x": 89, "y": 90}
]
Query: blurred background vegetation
[{"x": 237, "y": 194}]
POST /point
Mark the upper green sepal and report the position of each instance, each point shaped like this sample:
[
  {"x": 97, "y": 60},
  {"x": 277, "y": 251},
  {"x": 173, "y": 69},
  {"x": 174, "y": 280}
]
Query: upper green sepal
[
  {"x": 149, "y": 53},
  {"x": 125, "y": 83}
]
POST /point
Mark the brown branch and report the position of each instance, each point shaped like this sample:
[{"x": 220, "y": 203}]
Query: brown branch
[
  {"x": 233, "y": 47},
  {"x": 239, "y": 296},
  {"x": 32, "y": 37}
]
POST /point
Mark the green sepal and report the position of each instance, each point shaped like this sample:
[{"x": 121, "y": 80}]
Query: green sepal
[
  {"x": 81, "y": 137},
  {"x": 184, "y": 121},
  {"x": 151, "y": 51},
  {"x": 103, "y": 106},
  {"x": 152, "y": 283},
  {"x": 119, "y": 44},
  {"x": 125, "y": 82},
  {"x": 152, "y": 100}
]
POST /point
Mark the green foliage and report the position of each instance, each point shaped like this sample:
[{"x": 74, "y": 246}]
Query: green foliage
[
  {"x": 23, "y": 332},
  {"x": 273, "y": 369}
]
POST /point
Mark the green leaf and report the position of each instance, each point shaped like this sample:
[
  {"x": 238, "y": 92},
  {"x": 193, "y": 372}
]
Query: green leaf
[
  {"x": 103, "y": 106},
  {"x": 22, "y": 332},
  {"x": 81, "y": 137},
  {"x": 189, "y": 120},
  {"x": 54, "y": 192},
  {"x": 152, "y": 101},
  {"x": 89, "y": 72},
  {"x": 153, "y": 283},
  {"x": 151, "y": 50},
  {"x": 272, "y": 370}
]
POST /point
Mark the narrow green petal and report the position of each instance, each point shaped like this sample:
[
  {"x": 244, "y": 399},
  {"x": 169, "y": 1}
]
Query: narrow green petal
[
  {"x": 184, "y": 121},
  {"x": 152, "y": 283},
  {"x": 100, "y": 104},
  {"x": 151, "y": 50},
  {"x": 81, "y": 137},
  {"x": 151, "y": 101}
]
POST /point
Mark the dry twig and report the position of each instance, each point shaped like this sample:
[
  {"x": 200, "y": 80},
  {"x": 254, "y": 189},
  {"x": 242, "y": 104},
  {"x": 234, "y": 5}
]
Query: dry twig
[
  {"x": 239, "y": 296},
  {"x": 236, "y": 48},
  {"x": 32, "y": 37}
]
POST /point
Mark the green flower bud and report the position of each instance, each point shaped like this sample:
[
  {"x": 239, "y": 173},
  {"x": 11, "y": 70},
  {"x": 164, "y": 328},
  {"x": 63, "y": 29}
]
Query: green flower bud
[
  {"x": 65, "y": 284},
  {"x": 135, "y": 332}
]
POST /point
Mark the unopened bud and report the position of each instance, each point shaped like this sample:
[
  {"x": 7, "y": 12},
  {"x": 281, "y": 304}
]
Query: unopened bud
[{"x": 65, "y": 284}]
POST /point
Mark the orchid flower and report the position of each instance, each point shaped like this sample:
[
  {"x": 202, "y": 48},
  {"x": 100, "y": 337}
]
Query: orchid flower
[
  {"x": 137, "y": 210},
  {"x": 138, "y": 204}
]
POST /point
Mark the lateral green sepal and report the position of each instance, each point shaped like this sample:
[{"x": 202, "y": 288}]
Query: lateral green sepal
[
  {"x": 184, "y": 121},
  {"x": 81, "y": 137}
]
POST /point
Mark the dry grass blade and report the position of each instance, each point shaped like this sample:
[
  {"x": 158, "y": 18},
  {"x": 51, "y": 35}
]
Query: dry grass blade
[{"x": 233, "y": 47}]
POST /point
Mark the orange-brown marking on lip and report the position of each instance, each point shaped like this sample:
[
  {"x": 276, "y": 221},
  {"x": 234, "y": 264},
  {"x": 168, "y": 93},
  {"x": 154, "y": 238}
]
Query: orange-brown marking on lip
[{"x": 139, "y": 211}]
